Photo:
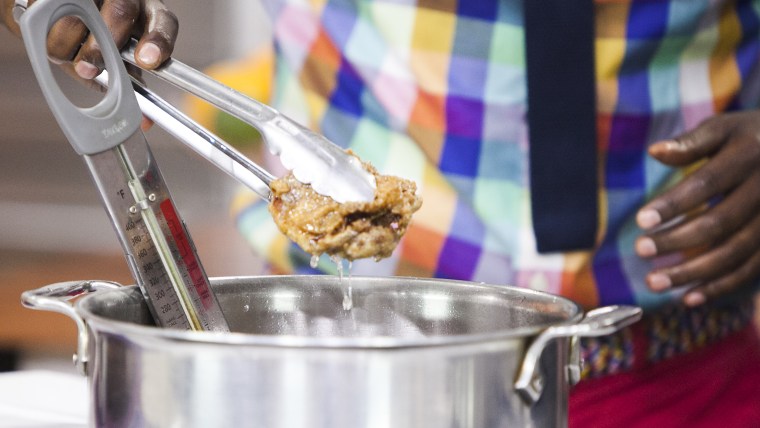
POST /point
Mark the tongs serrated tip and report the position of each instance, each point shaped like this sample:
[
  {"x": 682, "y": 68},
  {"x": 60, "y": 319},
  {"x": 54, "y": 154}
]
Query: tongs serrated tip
[{"x": 331, "y": 171}]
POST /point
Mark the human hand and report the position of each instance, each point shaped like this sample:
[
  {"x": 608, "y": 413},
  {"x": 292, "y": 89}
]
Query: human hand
[
  {"x": 720, "y": 242},
  {"x": 69, "y": 40}
]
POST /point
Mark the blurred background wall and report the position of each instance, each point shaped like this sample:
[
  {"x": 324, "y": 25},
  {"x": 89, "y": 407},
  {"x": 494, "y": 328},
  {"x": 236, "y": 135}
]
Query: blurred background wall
[{"x": 52, "y": 225}]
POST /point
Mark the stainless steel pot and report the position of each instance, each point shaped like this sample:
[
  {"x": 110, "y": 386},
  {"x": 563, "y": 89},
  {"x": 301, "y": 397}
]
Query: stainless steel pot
[{"x": 411, "y": 353}]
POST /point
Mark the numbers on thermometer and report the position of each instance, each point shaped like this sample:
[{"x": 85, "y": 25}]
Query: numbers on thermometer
[
  {"x": 151, "y": 272},
  {"x": 147, "y": 267}
]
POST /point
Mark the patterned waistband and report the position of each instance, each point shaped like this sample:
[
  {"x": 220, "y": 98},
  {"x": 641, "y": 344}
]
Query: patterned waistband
[{"x": 669, "y": 332}]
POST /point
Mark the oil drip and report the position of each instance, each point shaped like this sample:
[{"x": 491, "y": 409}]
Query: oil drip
[{"x": 348, "y": 300}]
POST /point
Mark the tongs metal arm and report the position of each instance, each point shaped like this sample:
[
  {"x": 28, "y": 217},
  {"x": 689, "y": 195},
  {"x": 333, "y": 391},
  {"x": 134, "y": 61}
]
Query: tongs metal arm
[
  {"x": 203, "y": 141},
  {"x": 197, "y": 83},
  {"x": 198, "y": 138},
  {"x": 312, "y": 157}
]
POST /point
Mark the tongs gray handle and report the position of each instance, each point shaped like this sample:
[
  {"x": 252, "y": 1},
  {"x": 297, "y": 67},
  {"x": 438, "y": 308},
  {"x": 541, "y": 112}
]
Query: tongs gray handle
[
  {"x": 312, "y": 157},
  {"x": 112, "y": 120}
]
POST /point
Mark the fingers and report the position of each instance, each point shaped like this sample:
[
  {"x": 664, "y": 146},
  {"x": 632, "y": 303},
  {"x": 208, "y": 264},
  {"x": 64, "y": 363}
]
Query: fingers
[
  {"x": 146, "y": 123},
  {"x": 707, "y": 228},
  {"x": 159, "y": 27},
  {"x": 6, "y": 13},
  {"x": 722, "y": 268},
  {"x": 733, "y": 280},
  {"x": 69, "y": 38},
  {"x": 68, "y": 68},
  {"x": 64, "y": 39},
  {"x": 719, "y": 244},
  {"x": 716, "y": 177},
  {"x": 119, "y": 16},
  {"x": 696, "y": 144},
  {"x": 157, "y": 42}
]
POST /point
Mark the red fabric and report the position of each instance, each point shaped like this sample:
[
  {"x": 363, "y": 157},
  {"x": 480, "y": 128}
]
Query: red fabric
[{"x": 717, "y": 386}]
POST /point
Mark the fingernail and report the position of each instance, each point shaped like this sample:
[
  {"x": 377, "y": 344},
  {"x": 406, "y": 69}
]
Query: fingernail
[
  {"x": 646, "y": 247},
  {"x": 146, "y": 124},
  {"x": 149, "y": 54},
  {"x": 659, "y": 282},
  {"x": 694, "y": 298},
  {"x": 85, "y": 70},
  {"x": 648, "y": 218}
]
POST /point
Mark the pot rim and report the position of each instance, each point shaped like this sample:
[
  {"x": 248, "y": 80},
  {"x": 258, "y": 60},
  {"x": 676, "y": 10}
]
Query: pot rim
[{"x": 143, "y": 332}]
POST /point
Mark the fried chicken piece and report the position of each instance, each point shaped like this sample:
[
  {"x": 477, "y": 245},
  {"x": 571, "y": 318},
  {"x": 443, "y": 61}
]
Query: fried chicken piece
[{"x": 352, "y": 230}]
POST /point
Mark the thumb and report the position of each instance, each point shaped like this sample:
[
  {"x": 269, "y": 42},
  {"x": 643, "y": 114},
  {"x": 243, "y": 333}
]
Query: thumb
[
  {"x": 691, "y": 146},
  {"x": 157, "y": 43}
]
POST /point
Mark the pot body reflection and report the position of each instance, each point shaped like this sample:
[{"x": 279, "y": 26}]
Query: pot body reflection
[{"x": 410, "y": 353}]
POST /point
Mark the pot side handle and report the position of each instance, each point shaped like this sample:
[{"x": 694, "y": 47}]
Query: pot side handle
[
  {"x": 57, "y": 297},
  {"x": 597, "y": 322}
]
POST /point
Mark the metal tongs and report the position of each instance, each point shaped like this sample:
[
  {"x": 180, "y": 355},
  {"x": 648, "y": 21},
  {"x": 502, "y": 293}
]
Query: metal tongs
[
  {"x": 201, "y": 140},
  {"x": 312, "y": 157}
]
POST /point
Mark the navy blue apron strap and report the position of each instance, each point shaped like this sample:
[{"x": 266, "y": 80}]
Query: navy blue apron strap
[{"x": 559, "y": 46}]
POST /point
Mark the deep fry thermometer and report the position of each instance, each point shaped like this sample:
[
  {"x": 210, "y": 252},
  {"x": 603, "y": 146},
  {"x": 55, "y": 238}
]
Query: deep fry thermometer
[{"x": 159, "y": 250}]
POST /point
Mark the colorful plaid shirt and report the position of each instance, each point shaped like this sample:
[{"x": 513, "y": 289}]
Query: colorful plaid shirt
[{"x": 435, "y": 91}]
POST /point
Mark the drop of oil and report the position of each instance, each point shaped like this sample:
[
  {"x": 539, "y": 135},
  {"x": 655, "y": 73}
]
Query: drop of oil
[
  {"x": 348, "y": 295},
  {"x": 348, "y": 300}
]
